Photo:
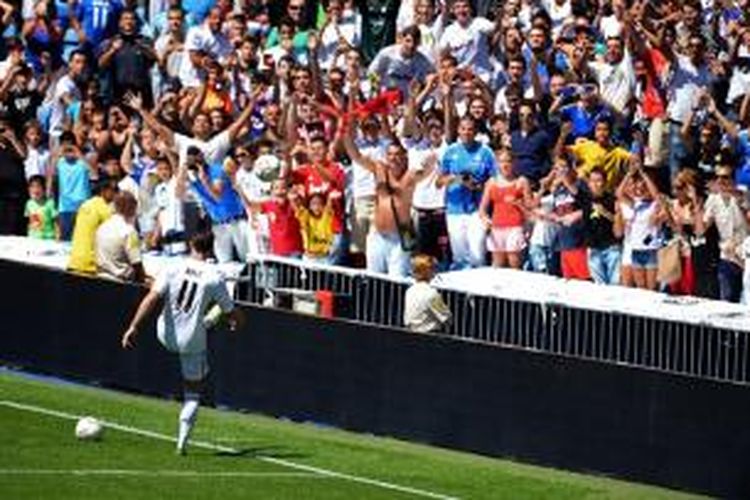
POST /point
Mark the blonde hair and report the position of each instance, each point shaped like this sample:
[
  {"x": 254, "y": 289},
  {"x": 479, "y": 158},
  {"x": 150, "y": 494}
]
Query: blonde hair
[{"x": 422, "y": 267}]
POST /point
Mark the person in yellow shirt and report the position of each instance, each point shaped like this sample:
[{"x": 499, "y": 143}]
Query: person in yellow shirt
[
  {"x": 91, "y": 215},
  {"x": 601, "y": 153},
  {"x": 316, "y": 224}
]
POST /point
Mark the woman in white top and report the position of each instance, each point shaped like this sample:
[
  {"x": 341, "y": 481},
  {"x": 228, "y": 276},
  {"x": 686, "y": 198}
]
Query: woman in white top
[{"x": 639, "y": 216}]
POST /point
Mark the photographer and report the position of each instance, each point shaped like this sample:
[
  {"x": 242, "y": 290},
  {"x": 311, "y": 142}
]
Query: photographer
[
  {"x": 214, "y": 188},
  {"x": 465, "y": 167}
]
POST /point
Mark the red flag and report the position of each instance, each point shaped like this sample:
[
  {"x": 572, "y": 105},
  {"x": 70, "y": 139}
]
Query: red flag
[{"x": 380, "y": 104}]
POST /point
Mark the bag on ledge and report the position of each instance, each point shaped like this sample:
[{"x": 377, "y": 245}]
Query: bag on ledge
[{"x": 669, "y": 262}]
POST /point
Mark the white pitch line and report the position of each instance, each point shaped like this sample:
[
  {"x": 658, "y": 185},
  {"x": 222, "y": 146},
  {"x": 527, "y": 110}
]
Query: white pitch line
[
  {"x": 226, "y": 449},
  {"x": 151, "y": 473}
]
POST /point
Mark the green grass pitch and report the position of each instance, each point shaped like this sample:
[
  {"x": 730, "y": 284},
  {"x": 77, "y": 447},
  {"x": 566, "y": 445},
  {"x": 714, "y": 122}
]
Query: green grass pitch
[{"x": 242, "y": 456}]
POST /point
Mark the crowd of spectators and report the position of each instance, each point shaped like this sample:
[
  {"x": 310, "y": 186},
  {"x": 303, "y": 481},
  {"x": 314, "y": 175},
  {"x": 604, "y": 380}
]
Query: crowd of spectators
[{"x": 600, "y": 140}]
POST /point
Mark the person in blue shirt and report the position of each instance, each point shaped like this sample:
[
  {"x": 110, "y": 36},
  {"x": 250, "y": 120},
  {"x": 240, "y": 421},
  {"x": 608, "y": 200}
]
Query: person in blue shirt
[
  {"x": 215, "y": 191},
  {"x": 585, "y": 113},
  {"x": 741, "y": 138},
  {"x": 531, "y": 145},
  {"x": 98, "y": 20},
  {"x": 465, "y": 168},
  {"x": 72, "y": 176}
]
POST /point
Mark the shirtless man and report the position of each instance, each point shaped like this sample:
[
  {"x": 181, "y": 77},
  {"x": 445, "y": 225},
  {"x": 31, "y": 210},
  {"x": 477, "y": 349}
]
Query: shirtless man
[{"x": 391, "y": 235}]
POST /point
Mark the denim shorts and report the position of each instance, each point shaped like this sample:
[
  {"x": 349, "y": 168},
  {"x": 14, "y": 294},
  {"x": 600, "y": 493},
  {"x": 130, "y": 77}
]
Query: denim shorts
[{"x": 644, "y": 259}]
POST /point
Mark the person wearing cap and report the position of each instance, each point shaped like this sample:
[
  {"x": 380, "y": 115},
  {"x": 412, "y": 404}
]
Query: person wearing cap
[
  {"x": 425, "y": 311},
  {"x": 722, "y": 209},
  {"x": 584, "y": 114}
]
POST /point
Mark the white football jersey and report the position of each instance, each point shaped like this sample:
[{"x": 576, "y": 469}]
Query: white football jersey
[{"x": 189, "y": 288}]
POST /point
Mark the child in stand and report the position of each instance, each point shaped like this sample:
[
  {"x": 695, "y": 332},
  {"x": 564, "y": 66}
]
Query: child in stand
[
  {"x": 37, "y": 156},
  {"x": 41, "y": 212},
  {"x": 284, "y": 228},
  {"x": 316, "y": 224}
]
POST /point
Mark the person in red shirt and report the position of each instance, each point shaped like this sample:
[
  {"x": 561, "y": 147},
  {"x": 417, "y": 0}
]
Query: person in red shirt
[
  {"x": 284, "y": 228},
  {"x": 651, "y": 68},
  {"x": 509, "y": 197},
  {"x": 323, "y": 176}
]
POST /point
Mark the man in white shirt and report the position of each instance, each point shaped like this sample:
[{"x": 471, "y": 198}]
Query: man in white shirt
[
  {"x": 362, "y": 182},
  {"x": 428, "y": 202},
  {"x": 425, "y": 311},
  {"x": 204, "y": 40},
  {"x": 690, "y": 74},
  {"x": 399, "y": 64},
  {"x": 118, "y": 248},
  {"x": 723, "y": 209},
  {"x": 188, "y": 288},
  {"x": 65, "y": 92},
  {"x": 616, "y": 76},
  {"x": 214, "y": 148},
  {"x": 467, "y": 39},
  {"x": 169, "y": 196}
]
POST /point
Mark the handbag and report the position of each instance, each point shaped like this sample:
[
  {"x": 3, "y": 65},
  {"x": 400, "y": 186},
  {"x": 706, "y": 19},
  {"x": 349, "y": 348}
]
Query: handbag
[{"x": 669, "y": 262}]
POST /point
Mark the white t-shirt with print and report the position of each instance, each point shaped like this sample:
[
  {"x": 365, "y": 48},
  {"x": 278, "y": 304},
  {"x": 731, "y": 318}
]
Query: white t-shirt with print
[{"x": 470, "y": 45}]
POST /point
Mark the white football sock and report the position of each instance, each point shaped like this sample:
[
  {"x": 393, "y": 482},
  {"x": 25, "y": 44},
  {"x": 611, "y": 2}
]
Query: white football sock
[{"x": 188, "y": 415}]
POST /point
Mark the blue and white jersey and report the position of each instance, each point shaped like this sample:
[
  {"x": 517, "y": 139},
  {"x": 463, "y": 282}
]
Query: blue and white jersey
[
  {"x": 99, "y": 19},
  {"x": 475, "y": 162}
]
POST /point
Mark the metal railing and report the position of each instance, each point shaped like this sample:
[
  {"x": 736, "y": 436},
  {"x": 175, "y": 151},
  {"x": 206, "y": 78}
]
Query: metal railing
[{"x": 675, "y": 347}]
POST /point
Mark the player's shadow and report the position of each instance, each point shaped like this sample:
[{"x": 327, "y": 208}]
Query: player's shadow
[{"x": 271, "y": 451}]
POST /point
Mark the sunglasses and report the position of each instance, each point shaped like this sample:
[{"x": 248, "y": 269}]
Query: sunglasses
[{"x": 723, "y": 177}]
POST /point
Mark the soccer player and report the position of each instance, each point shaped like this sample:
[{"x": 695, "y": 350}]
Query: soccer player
[{"x": 188, "y": 288}]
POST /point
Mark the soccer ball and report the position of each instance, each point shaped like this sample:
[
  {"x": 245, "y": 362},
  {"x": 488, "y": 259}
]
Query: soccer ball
[
  {"x": 267, "y": 168},
  {"x": 89, "y": 428}
]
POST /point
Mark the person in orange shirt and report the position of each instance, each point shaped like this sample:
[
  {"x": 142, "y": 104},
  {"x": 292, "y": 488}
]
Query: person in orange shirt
[{"x": 509, "y": 196}]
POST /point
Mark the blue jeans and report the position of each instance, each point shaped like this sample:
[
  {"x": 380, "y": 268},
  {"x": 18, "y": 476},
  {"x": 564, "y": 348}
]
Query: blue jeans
[
  {"x": 730, "y": 281},
  {"x": 338, "y": 252},
  {"x": 541, "y": 259},
  {"x": 67, "y": 223},
  {"x": 604, "y": 265}
]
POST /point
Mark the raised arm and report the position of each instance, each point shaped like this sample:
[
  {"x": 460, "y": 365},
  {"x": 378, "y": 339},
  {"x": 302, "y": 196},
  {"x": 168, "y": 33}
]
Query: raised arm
[
  {"x": 136, "y": 103},
  {"x": 198, "y": 101},
  {"x": 126, "y": 158},
  {"x": 353, "y": 151},
  {"x": 235, "y": 128},
  {"x": 745, "y": 108},
  {"x": 729, "y": 126}
]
